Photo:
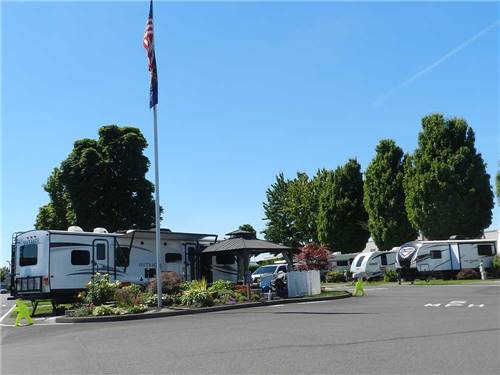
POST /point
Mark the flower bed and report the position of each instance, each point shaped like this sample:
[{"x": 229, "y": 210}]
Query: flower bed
[{"x": 103, "y": 297}]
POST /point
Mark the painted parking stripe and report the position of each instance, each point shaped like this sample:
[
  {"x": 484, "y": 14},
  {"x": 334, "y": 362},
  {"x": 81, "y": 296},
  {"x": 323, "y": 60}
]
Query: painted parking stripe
[
  {"x": 307, "y": 303},
  {"x": 7, "y": 313},
  {"x": 277, "y": 305}
]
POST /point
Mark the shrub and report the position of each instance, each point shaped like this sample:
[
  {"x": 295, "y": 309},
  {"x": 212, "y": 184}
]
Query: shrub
[
  {"x": 496, "y": 263},
  {"x": 108, "y": 310},
  {"x": 242, "y": 289},
  {"x": 82, "y": 311},
  {"x": 137, "y": 309},
  {"x": 313, "y": 257},
  {"x": 197, "y": 298},
  {"x": 119, "y": 311},
  {"x": 335, "y": 277},
  {"x": 128, "y": 296},
  {"x": 102, "y": 310},
  {"x": 170, "y": 283},
  {"x": 100, "y": 290},
  {"x": 196, "y": 294},
  {"x": 390, "y": 276},
  {"x": 166, "y": 299},
  {"x": 221, "y": 285},
  {"x": 468, "y": 274}
]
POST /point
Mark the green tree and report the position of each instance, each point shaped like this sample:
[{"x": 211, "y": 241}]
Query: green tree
[
  {"x": 300, "y": 205},
  {"x": 446, "y": 185},
  {"x": 342, "y": 219},
  {"x": 248, "y": 228},
  {"x": 278, "y": 225},
  {"x": 384, "y": 197},
  {"x": 4, "y": 273},
  {"x": 101, "y": 183},
  {"x": 289, "y": 211},
  {"x": 57, "y": 214}
]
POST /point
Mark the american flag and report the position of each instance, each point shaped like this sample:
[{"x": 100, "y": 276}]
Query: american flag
[{"x": 149, "y": 45}]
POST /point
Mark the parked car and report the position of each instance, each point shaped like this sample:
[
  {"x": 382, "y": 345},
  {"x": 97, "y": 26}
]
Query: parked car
[
  {"x": 270, "y": 269},
  {"x": 4, "y": 291}
]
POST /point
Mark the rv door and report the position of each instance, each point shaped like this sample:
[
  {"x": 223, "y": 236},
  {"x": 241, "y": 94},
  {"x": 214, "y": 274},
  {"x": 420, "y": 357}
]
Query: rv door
[{"x": 100, "y": 258}]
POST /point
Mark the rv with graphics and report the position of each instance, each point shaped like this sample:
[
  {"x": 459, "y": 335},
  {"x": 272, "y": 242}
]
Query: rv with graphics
[
  {"x": 58, "y": 264},
  {"x": 373, "y": 264},
  {"x": 425, "y": 259}
]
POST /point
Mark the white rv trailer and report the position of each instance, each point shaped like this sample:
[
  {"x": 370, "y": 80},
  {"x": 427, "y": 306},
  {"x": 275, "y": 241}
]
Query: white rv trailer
[
  {"x": 58, "y": 264},
  {"x": 341, "y": 262},
  {"x": 373, "y": 264},
  {"x": 423, "y": 259},
  {"x": 224, "y": 267}
]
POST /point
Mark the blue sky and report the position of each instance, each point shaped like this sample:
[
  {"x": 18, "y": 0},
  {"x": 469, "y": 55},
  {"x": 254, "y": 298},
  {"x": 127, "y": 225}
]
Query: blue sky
[{"x": 246, "y": 90}]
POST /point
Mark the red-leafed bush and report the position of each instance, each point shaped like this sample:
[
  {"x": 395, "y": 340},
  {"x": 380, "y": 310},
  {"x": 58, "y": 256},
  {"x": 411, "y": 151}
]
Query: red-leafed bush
[
  {"x": 312, "y": 257},
  {"x": 170, "y": 283},
  {"x": 468, "y": 274}
]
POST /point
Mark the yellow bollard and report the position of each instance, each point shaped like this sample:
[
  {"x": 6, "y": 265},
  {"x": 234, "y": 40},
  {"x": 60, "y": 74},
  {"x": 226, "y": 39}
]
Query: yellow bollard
[
  {"x": 22, "y": 312},
  {"x": 358, "y": 288}
]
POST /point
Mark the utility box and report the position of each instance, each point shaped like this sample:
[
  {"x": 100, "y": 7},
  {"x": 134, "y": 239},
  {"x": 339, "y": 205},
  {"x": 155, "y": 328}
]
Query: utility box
[{"x": 303, "y": 283}]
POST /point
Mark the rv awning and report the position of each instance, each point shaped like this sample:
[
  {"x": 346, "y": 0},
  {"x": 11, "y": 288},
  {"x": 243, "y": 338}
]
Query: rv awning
[{"x": 167, "y": 235}]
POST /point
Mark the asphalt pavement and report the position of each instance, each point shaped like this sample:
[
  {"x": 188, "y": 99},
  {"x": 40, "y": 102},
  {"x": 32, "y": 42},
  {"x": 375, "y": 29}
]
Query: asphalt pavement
[{"x": 392, "y": 330}]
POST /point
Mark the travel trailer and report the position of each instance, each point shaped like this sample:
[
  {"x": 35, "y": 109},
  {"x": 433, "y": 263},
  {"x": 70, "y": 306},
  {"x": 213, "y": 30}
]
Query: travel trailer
[
  {"x": 424, "y": 259},
  {"x": 224, "y": 267},
  {"x": 58, "y": 264},
  {"x": 373, "y": 264},
  {"x": 341, "y": 262}
]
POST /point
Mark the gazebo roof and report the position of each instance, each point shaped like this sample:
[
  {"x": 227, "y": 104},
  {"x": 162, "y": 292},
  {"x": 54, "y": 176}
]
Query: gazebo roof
[{"x": 239, "y": 244}]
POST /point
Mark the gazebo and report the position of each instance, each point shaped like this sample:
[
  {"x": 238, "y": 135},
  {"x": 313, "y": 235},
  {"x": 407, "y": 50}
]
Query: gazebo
[{"x": 245, "y": 244}]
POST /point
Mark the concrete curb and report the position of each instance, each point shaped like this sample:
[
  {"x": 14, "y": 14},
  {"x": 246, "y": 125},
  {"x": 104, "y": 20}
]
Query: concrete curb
[{"x": 181, "y": 311}]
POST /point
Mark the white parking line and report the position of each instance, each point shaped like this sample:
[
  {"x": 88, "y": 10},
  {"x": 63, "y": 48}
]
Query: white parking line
[
  {"x": 7, "y": 313},
  {"x": 277, "y": 305}
]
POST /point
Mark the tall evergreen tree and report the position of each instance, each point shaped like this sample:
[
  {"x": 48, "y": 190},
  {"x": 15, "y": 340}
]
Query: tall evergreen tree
[
  {"x": 446, "y": 185},
  {"x": 384, "y": 197},
  {"x": 301, "y": 209},
  {"x": 101, "y": 183},
  {"x": 342, "y": 218}
]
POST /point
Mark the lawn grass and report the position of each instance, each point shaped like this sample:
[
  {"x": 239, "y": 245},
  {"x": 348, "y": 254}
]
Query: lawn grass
[{"x": 328, "y": 293}]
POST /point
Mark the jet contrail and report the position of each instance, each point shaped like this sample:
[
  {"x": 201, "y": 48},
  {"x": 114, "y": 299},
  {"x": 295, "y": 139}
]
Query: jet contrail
[{"x": 439, "y": 61}]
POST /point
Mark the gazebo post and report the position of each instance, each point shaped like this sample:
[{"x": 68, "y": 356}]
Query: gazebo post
[{"x": 288, "y": 258}]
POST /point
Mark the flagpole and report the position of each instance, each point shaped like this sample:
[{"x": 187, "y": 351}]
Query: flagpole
[{"x": 157, "y": 212}]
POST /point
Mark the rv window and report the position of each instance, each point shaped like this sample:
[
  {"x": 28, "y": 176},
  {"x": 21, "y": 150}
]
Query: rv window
[
  {"x": 100, "y": 251},
  {"x": 28, "y": 255},
  {"x": 224, "y": 259},
  {"x": 80, "y": 257},
  {"x": 485, "y": 250},
  {"x": 342, "y": 263},
  {"x": 383, "y": 259},
  {"x": 149, "y": 273},
  {"x": 173, "y": 258},
  {"x": 435, "y": 254},
  {"x": 360, "y": 260},
  {"x": 122, "y": 257}
]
